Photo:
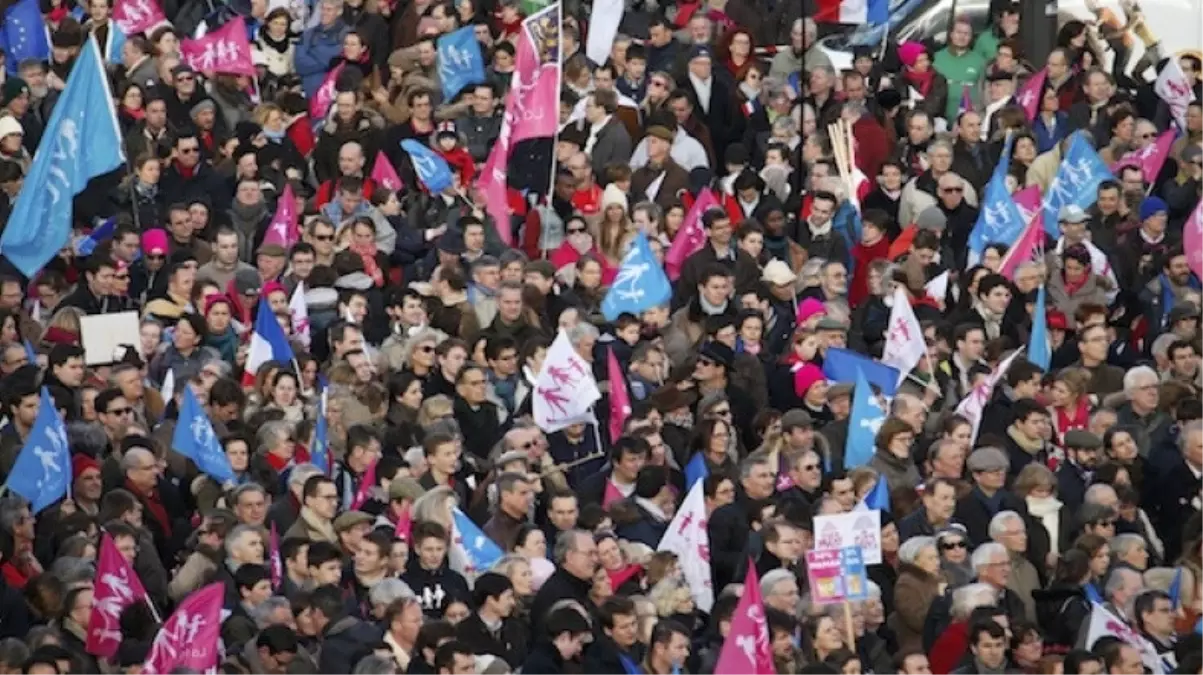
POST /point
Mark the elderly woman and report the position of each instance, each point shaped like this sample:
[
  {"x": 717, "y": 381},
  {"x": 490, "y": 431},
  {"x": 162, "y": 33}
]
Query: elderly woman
[
  {"x": 953, "y": 643},
  {"x": 953, "y": 545},
  {"x": 920, "y": 582}
]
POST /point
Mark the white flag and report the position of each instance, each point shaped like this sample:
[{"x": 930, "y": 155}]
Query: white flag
[
  {"x": 603, "y": 27},
  {"x": 167, "y": 391},
  {"x": 300, "y": 315},
  {"x": 565, "y": 390},
  {"x": 1177, "y": 92},
  {"x": 971, "y": 406},
  {"x": 687, "y": 537},
  {"x": 937, "y": 289},
  {"x": 904, "y": 336},
  {"x": 1105, "y": 624}
]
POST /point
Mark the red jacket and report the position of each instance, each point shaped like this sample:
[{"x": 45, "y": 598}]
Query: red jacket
[
  {"x": 325, "y": 191},
  {"x": 460, "y": 160},
  {"x": 950, "y": 648},
  {"x": 858, "y": 288}
]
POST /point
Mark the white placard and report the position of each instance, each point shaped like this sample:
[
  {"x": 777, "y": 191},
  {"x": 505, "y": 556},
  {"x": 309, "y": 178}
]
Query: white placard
[
  {"x": 104, "y": 334},
  {"x": 860, "y": 529}
]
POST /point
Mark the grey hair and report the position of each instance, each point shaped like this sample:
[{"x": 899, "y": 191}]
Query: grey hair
[
  {"x": 262, "y": 614},
  {"x": 982, "y": 554},
  {"x": 1189, "y": 429},
  {"x": 1161, "y": 346},
  {"x": 271, "y": 432},
  {"x": 237, "y": 492},
  {"x": 389, "y": 590},
  {"x": 1118, "y": 581},
  {"x": 10, "y": 504},
  {"x": 372, "y": 664},
  {"x": 911, "y": 548},
  {"x": 652, "y": 209},
  {"x": 1122, "y": 543},
  {"x": 423, "y": 335},
  {"x": 73, "y": 572},
  {"x": 301, "y": 474},
  {"x": 1094, "y": 491},
  {"x": 135, "y": 456},
  {"x": 752, "y": 461},
  {"x": 768, "y": 583},
  {"x": 88, "y": 438},
  {"x": 567, "y": 543},
  {"x": 234, "y": 538},
  {"x": 875, "y": 590},
  {"x": 971, "y": 596},
  {"x": 998, "y": 524},
  {"x": 1137, "y": 377},
  {"x": 223, "y": 367},
  {"x": 581, "y": 331},
  {"x": 505, "y": 564}
]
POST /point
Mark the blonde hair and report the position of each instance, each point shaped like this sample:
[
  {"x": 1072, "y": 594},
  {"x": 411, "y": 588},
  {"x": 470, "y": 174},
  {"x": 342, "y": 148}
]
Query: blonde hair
[
  {"x": 667, "y": 595},
  {"x": 435, "y": 507},
  {"x": 433, "y": 409},
  {"x": 66, "y": 318}
]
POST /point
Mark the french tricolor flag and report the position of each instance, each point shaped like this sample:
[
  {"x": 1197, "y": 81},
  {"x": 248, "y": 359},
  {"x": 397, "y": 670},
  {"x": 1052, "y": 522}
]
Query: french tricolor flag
[
  {"x": 853, "y": 11},
  {"x": 268, "y": 343}
]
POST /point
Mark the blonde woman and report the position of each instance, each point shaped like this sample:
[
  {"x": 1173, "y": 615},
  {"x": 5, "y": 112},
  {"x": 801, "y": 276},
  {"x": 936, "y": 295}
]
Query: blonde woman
[{"x": 615, "y": 231}]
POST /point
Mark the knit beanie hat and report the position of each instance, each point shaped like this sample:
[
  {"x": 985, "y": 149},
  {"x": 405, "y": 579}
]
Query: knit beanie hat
[
  {"x": 806, "y": 377},
  {"x": 1151, "y": 206},
  {"x": 909, "y": 52}
]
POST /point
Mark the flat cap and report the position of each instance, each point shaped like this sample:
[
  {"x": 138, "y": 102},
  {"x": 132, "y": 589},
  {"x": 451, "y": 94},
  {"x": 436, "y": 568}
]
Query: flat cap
[
  {"x": 1081, "y": 439},
  {"x": 350, "y": 519},
  {"x": 987, "y": 459}
]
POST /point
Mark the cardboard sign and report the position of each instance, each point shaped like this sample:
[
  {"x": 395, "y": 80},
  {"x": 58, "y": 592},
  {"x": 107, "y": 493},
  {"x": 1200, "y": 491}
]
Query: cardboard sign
[
  {"x": 104, "y": 335},
  {"x": 837, "y": 576}
]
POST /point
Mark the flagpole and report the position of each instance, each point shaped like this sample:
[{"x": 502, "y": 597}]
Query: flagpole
[
  {"x": 150, "y": 604},
  {"x": 551, "y": 183}
]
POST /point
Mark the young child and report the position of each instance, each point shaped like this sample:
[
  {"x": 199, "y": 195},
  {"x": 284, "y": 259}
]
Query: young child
[{"x": 447, "y": 144}]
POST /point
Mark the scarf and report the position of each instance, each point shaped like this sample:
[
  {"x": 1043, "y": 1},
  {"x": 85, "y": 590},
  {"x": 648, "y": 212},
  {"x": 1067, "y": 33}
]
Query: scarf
[
  {"x": 280, "y": 46},
  {"x": 922, "y": 82},
  {"x": 702, "y": 88},
  {"x": 226, "y": 344},
  {"x": 709, "y": 309},
  {"x": 751, "y": 93},
  {"x": 817, "y": 231},
  {"x": 135, "y": 113},
  {"x": 652, "y": 508},
  {"x": 1077, "y": 418},
  {"x": 992, "y": 321},
  {"x": 1028, "y": 445},
  {"x": 318, "y": 529},
  {"x": 1047, "y": 510},
  {"x": 1072, "y": 287}
]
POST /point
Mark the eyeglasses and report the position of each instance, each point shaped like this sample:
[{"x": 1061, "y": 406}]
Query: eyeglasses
[
  {"x": 950, "y": 545},
  {"x": 121, "y": 411},
  {"x": 189, "y": 151},
  {"x": 576, "y": 230},
  {"x": 324, "y": 237},
  {"x": 426, "y": 348}
]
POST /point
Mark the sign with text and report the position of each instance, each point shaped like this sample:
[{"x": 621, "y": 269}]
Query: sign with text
[
  {"x": 859, "y": 529},
  {"x": 837, "y": 576}
]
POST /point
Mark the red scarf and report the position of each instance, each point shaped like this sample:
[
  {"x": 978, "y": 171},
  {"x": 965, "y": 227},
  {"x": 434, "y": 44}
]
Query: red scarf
[
  {"x": 154, "y": 507},
  {"x": 1072, "y": 287},
  {"x": 135, "y": 113},
  {"x": 920, "y": 81},
  {"x": 1078, "y": 418}
]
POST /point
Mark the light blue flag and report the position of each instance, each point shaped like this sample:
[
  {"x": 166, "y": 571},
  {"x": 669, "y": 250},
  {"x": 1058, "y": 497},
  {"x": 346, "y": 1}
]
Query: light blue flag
[
  {"x": 878, "y": 499},
  {"x": 640, "y": 284},
  {"x": 1000, "y": 219},
  {"x": 460, "y": 61},
  {"x": 1092, "y": 593},
  {"x": 629, "y": 666},
  {"x": 1175, "y": 590},
  {"x": 480, "y": 551},
  {"x": 695, "y": 470},
  {"x": 1076, "y": 183},
  {"x": 24, "y": 35},
  {"x": 843, "y": 365},
  {"x": 81, "y": 141},
  {"x": 1040, "y": 352},
  {"x": 432, "y": 170},
  {"x": 194, "y": 439},
  {"x": 100, "y": 234},
  {"x": 319, "y": 454},
  {"x": 116, "y": 41},
  {"x": 31, "y": 353},
  {"x": 42, "y": 472},
  {"x": 866, "y": 418}
]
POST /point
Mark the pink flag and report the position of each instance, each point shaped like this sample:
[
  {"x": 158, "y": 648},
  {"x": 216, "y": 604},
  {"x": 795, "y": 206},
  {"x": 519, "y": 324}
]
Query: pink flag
[
  {"x": 116, "y": 587},
  {"x": 323, "y": 98},
  {"x": 1028, "y": 200},
  {"x": 365, "y": 487},
  {"x": 620, "y": 400},
  {"x": 1149, "y": 158},
  {"x": 225, "y": 50},
  {"x": 404, "y": 525},
  {"x": 189, "y": 638},
  {"x": 690, "y": 237},
  {"x": 1024, "y": 248},
  {"x": 528, "y": 110},
  {"x": 137, "y": 16},
  {"x": 746, "y": 650},
  {"x": 284, "y": 230},
  {"x": 384, "y": 174},
  {"x": 1192, "y": 240},
  {"x": 1031, "y": 92},
  {"x": 277, "y": 563}
]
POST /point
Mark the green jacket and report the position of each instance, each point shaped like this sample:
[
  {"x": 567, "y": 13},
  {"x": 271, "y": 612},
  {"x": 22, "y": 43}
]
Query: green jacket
[{"x": 965, "y": 69}]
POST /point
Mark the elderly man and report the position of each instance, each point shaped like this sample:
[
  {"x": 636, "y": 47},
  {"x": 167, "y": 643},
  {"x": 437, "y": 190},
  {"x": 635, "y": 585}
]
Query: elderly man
[
  {"x": 1119, "y": 593},
  {"x": 779, "y": 588},
  {"x": 250, "y": 502},
  {"x": 162, "y": 510},
  {"x": 992, "y": 565},
  {"x": 1008, "y": 528},
  {"x": 1130, "y": 551},
  {"x": 244, "y": 546},
  {"x": 1176, "y": 491},
  {"x": 1142, "y": 390},
  {"x": 988, "y": 467},
  {"x": 576, "y": 561}
]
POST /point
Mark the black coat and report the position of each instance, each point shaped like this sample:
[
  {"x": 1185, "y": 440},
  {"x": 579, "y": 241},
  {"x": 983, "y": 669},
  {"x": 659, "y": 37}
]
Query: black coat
[
  {"x": 561, "y": 585},
  {"x": 1071, "y": 486},
  {"x": 511, "y": 643},
  {"x": 728, "y": 530},
  {"x": 435, "y": 588},
  {"x": 544, "y": 659},
  {"x": 481, "y": 427},
  {"x": 346, "y": 641},
  {"x": 973, "y": 512},
  {"x": 1175, "y": 492},
  {"x": 603, "y": 656}
]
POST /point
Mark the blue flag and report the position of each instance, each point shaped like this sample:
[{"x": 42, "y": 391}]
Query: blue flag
[
  {"x": 695, "y": 470},
  {"x": 866, "y": 418},
  {"x": 1092, "y": 593},
  {"x": 878, "y": 499},
  {"x": 24, "y": 35},
  {"x": 319, "y": 454},
  {"x": 1175, "y": 590},
  {"x": 843, "y": 365},
  {"x": 1077, "y": 182},
  {"x": 31, "y": 353},
  {"x": 431, "y": 168},
  {"x": 1000, "y": 219},
  {"x": 640, "y": 283},
  {"x": 480, "y": 551},
  {"x": 82, "y": 141},
  {"x": 629, "y": 666},
  {"x": 42, "y": 472},
  {"x": 460, "y": 61},
  {"x": 877, "y": 12},
  {"x": 194, "y": 439},
  {"x": 101, "y": 233},
  {"x": 1040, "y": 352}
]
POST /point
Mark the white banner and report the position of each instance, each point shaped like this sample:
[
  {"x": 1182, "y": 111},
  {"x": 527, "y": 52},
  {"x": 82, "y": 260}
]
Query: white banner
[
  {"x": 905, "y": 345},
  {"x": 687, "y": 537},
  {"x": 860, "y": 529},
  {"x": 1103, "y": 624},
  {"x": 565, "y": 390},
  {"x": 603, "y": 27},
  {"x": 1173, "y": 88}
]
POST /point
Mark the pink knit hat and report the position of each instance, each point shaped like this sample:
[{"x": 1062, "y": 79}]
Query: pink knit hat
[
  {"x": 909, "y": 52},
  {"x": 154, "y": 242},
  {"x": 809, "y": 308},
  {"x": 806, "y": 377}
]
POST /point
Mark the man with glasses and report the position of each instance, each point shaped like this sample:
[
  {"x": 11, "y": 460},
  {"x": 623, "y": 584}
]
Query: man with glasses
[
  {"x": 187, "y": 177},
  {"x": 479, "y": 418},
  {"x": 115, "y": 414},
  {"x": 992, "y": 565},
  {"x": 319, "y": 506},
  {"x": 163, "y": 511}
]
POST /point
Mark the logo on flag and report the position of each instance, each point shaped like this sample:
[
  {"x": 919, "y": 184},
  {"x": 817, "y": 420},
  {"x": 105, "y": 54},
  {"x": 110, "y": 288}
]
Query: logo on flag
[
  {"x": 117, "y": 587},
  {"x": 999, "y": 219},
  {"x": 460, "y": 61},
  {"x": 189, "y": 638},
  {"x": 137, "y": 16},
  {"x": 323, "y": 98},
  {"x": 565, "y": 389},
  {"x": 225, "y": 50},
  {"x": 194, "y": 439},
  {"x": 384, "y": 174},
  {"x": 472, "y": 552},
  {"x": 299, "y": 311},
  {"x": 972, "y": 406},
  {"x": 1175, "y": 89},
  {"x": 687, "y": 537},
  {"x": 746, "y": 650},
  {"x": 868, "y": 414},
  {"x": 42, "y": 472},
  {"x": 1076, "y": 183},
  {"x": 691, "y": 237},
  {"x": 640, "y": 283},
  {"x": 284, "y": 230},
  {"x": 432, "y": 169},
  {"x": 905, "y": 345}
]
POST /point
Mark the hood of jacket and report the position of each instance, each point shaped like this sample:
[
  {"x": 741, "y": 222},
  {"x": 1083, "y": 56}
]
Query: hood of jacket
[
  {"x": 317, "y": 299},
  {"x": 355, "y": 280}
]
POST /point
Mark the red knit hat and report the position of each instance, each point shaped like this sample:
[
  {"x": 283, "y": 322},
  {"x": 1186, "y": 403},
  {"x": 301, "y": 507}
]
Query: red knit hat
[{"x": 81, "y": 463}]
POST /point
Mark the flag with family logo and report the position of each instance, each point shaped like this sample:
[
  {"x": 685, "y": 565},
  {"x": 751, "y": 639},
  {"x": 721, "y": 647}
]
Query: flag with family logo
[
  {"x": 1040, "y": 351},
  {"x": 565, "y": 390},
  {"x": 999, "y": 219},
  {"x": 42, "y": 472},
  {"x": 225, "y": 50},
  {"x": 117, "y": 586},
  {"x": 640, "y": 284},
  {"x": 866, "y": 418},
  {"x": 747, "y": 650},
  {"x": 82, "y": 141},
  {"x": 905, "y": 345},
  {"x": 688, "y": 537},
  {"x": 1192, "y": 240},
  {"x": 972, "y": 406},
  {"x": 460, "y": 61},
  {"x": 384, "y": 174},
  {"x": 472, "y": 552},
  {"x": 1029, "y": 95},
  {"x": 1076, "y": 183},
  {"x": 194, "y": 439},
  {"x": 137, "y": 16},
  {"x": 323, "y": 98},
  {"x": 432, "y": 169},
  {"x": 24, "y": 35},
  {"x": 298, "y": 311},
  {"x": 188, "y": 642},
  {"x": 1150, "y": 158},
  {"x": 691, "y": 237},
  {"x": 284, "y": 229}
]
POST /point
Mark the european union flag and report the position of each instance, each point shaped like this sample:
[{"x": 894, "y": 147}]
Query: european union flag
[
  {"x": 82, "y": 141},
  {"x": 194, "y": 439},
  {"x": 866, "y": 418},
  {"x": 1077, "y": 182},
  {"x": 1040, "y": 352},
  {"x": 844, "y": 365},
  {"x": 878, "y": 499},
  {"x": 460, "y": 61},
  {"x": 101, "y": 233},
  {"x": 480, "y": 551},
  {"x": 999, "y": 220},
  {"x": 24, "y": 34},
  {"x": 640, "y": 284},
  {"x": 695, "y": 470},
  {"x": 42, "y": 472},
  {"x": 432, "y": 169},
  {"x": 319, "y": 453}
]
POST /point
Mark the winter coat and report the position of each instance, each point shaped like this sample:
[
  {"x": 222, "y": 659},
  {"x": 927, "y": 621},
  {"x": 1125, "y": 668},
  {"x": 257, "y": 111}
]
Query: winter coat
[
  {"x": 913, "y": 595},
  {"x": 344, "y": 642},
  {"x": 317, "y": 47}
]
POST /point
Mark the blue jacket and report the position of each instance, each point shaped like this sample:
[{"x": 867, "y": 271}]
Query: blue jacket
[
  {"x": 1047, "y": 139},
  {"x": 318, "y": 47}
]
